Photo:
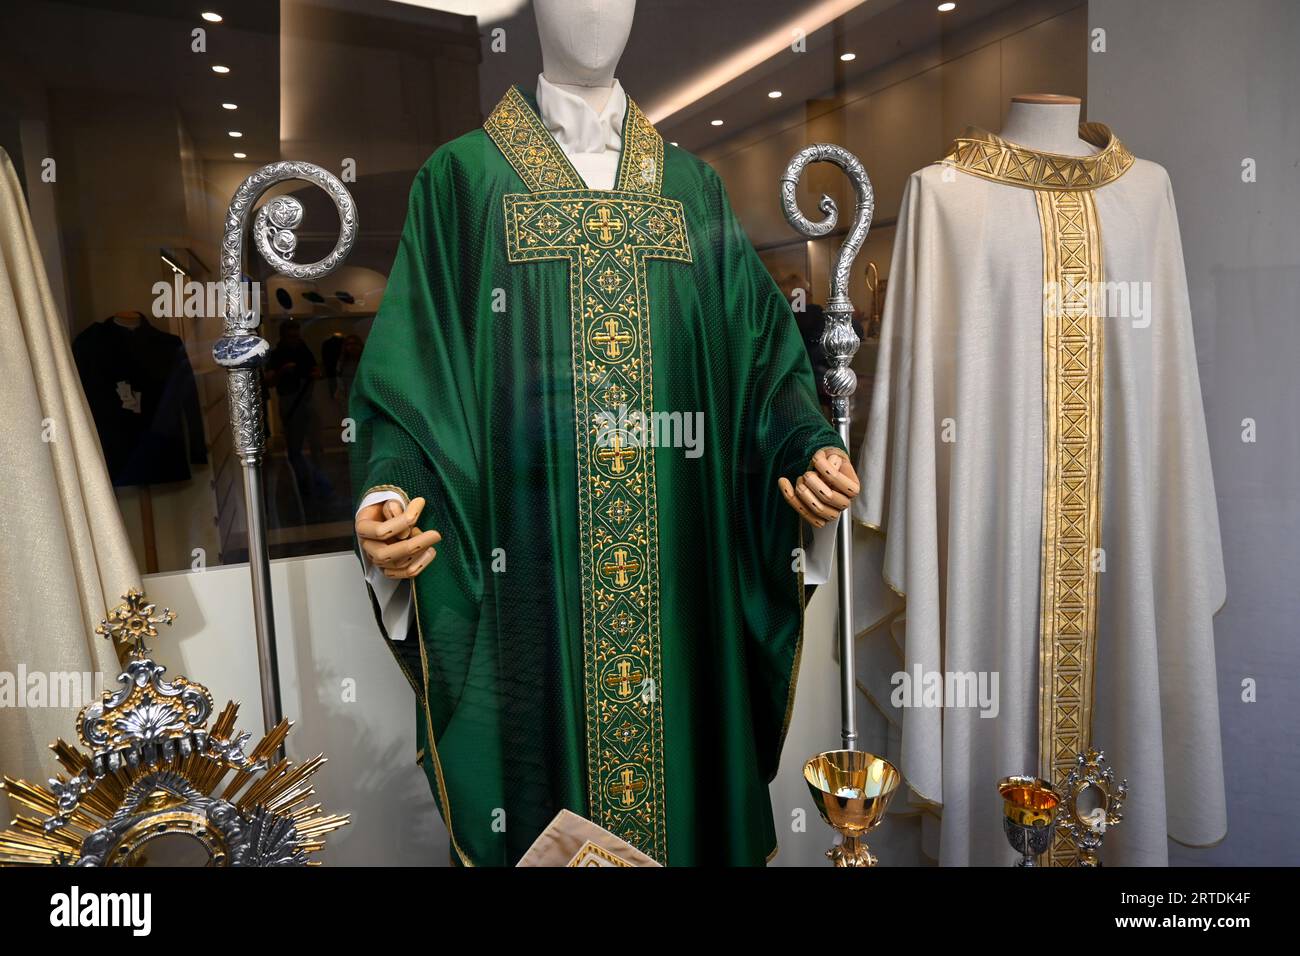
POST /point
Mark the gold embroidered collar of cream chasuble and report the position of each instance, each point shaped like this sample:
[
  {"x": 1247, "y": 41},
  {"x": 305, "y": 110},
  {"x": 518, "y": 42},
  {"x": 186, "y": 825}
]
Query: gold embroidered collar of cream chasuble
[
  {"x": 1072, "y": 415},
  {"x": 606, "y": 236}
]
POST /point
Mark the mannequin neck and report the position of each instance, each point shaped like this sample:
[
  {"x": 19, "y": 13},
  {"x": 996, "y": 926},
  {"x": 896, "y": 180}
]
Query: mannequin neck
[
  {"x": 1047, "y": 128},
  {"x": 594, "y": 96}
]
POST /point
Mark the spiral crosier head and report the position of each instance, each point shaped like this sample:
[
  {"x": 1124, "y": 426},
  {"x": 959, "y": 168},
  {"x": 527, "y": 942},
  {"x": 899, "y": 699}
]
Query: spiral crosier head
[
  {"x": 830, "y": 214},
  {"x": 839, "y": 340},
  {"x": 241, "y": 351},
  {"x": 275, "y": 225}
]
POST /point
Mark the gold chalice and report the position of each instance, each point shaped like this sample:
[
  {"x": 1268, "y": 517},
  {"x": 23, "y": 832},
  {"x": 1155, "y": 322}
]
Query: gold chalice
[
  {"x": 852, "y": 790},
  {"x": 1028, "y": 815}
]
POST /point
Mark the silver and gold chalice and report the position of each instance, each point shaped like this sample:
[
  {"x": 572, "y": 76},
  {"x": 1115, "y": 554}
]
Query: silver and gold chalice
[
  {"x": 1029, "y": 808},
  {"x": 852, "y": 790}
]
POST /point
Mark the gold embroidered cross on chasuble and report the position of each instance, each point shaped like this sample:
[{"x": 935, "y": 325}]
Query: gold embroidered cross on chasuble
[
  {"x": 606, "y": 237},
  {"x": 1073, "y": 285}
]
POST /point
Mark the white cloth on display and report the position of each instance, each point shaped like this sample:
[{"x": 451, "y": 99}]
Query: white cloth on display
[
  {"x": 65, "y": 558},
  {"x": 592, "y": 142},
  {"x": 953, "y": 493}
]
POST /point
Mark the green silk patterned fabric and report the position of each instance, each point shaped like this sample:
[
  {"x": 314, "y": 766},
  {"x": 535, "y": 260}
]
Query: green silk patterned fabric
[{"x": 612, "y": 624}]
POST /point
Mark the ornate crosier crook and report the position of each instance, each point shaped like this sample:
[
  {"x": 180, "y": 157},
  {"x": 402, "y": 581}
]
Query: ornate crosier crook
[
  {"x": 840, "y": 343},
  {"x": 242, "y": 352}
]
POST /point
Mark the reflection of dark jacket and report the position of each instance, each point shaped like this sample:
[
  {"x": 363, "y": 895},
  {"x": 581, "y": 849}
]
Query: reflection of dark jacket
[{"x": 148, "y": 446}]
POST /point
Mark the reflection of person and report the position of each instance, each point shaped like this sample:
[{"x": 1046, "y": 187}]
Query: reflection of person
[
  {"x": 810, "y": 319},
  {"x": 292, "y": 369},
  {"x": 330, "y": 350},
  {"x": 349, "y": 359}
]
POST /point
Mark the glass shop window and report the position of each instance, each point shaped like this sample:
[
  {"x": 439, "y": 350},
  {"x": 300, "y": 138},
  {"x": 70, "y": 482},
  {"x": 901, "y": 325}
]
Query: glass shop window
[{"x": 130, "y": 152}]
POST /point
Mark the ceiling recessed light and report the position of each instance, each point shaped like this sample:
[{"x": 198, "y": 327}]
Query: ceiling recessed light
[
  {"x": 715, "y": 122},
  {"x": 674, "y": 142},
  {"x": 774, "y": 95},
  {"x": 846, "y": 57},
  {"x": 211, "y": 17},
  {"x": 230, "y": 106},
  {"x": 241, "y": 156},
  {"x": 235, "y": 133},
  {"x": 220, "y": 69},
  {"x": 945, "y": 7}
]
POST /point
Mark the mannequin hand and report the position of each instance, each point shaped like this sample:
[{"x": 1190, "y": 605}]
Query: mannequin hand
[
  {"x": 390, "y": 539},
  {"x": 827, "y": 488}
]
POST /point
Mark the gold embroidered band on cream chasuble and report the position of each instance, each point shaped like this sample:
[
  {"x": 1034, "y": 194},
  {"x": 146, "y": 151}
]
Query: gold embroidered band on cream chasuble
[
  {"x": 1072, "y": 417},
  {"x": 606, "y": 236}
]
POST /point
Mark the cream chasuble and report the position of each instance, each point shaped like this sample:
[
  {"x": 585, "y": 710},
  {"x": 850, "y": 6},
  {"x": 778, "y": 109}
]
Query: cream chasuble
[
  {"x": 65, "y": 558},
  {"x": 1038, "y": 507}
]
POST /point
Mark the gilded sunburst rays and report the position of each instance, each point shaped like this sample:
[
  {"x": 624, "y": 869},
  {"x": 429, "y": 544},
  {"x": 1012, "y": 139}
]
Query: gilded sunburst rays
[{"x": 155, "y": 767}]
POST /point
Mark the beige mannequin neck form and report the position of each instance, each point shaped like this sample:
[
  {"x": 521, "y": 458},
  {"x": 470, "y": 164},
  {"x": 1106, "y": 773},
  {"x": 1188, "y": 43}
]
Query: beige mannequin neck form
[
  {"x": 582, "y": 41},
  {"x": 1047, "y": 122}
]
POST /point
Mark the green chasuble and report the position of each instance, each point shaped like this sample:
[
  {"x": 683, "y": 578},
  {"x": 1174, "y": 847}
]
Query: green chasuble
[{"x": 596, "y": 392}]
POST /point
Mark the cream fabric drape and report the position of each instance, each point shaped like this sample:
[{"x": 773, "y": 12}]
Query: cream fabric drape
[
  {"x": 953, "y": 473},
  {"x": 64, "y": 553}
]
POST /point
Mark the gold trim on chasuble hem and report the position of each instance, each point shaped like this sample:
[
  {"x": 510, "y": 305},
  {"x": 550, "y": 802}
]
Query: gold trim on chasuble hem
[
  {"x": 606, "y": 236},
  {"x": 1072, "y": 376}
]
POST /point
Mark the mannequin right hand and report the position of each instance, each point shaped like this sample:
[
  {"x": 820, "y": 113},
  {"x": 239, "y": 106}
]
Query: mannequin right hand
[{"x": 390, "y": 539}]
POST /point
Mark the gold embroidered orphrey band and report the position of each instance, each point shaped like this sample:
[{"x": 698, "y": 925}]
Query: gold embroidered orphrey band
[
  {"x": 1072, "y": 409},
  {"x": 988, "y": 155},
  {"x": 607, "y": 236}
]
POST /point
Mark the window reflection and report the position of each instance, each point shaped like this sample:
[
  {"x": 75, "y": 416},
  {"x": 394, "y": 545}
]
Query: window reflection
[{"x": 144, "y": 165}]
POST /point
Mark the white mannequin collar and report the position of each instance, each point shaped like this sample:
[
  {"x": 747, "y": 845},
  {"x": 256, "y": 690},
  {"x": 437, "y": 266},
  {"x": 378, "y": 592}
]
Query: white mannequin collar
[{"x": 575, "y": 125}]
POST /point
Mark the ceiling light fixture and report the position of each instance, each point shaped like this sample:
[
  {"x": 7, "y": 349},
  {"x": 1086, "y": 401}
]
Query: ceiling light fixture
[
  {"x": 235, "y": 133},
  {"x": 220, "y": 69},
  {"x": 774, "y": 95},
  {"x": 946, "y": 7},
  {"x": 241, "y": 156},
  {"x": 846, "y": 57},
  {"x": 717, "y": 72},
  {"x": 212, "y": 17},
  {"x": 715, "y": 122},
  {"x": 230, "y": 106}
]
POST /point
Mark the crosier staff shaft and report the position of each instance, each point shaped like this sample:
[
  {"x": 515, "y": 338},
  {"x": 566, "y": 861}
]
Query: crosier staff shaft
[
  {"x": 840, "y": 342},
  {"x": 243, "y": 352}
]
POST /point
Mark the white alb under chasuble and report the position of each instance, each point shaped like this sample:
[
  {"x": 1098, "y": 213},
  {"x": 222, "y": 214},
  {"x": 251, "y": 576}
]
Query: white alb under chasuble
[{"x": 1037, "y": 498}]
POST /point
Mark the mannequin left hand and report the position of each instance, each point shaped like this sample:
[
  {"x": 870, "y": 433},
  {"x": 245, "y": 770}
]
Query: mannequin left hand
[{"x": 824, "y": 490}]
